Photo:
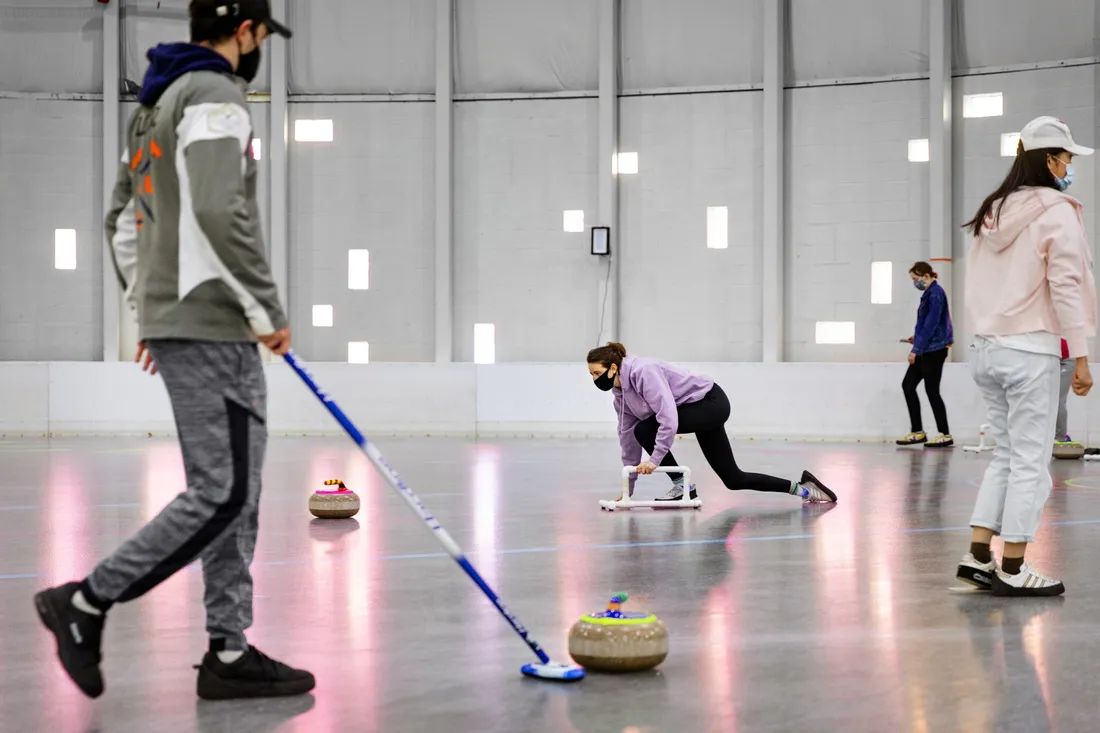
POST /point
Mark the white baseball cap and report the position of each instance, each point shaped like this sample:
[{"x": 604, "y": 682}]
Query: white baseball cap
[{"x": 1050, "y": 132}]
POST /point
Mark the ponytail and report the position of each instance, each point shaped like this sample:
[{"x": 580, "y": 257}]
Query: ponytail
[{"x": 605, "y": 356}]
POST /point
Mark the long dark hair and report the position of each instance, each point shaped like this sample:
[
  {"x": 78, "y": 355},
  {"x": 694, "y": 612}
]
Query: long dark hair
[{"x": 1029, "y": 169}]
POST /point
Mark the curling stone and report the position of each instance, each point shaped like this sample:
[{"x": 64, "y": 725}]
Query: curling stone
[
  {"x": 618, "y": 641},
  {"x": 338, "y": 503},
  {"x": 1070, "y": 450}
]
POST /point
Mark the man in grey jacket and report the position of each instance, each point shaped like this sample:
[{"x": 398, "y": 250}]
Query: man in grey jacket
[{"x": 185, "y": 236}]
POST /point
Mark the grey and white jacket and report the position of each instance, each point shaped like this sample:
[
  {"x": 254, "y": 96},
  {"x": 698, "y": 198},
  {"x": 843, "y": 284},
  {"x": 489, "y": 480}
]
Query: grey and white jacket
[{"x": 184, "y": 226}]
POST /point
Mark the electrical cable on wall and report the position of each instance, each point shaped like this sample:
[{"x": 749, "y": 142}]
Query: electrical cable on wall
[{"x": 603, "y": 308}]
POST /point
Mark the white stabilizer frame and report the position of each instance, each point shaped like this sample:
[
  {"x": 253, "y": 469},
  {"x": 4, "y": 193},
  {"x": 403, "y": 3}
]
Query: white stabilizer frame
[
  {"x": 981, "y": 447},
  {"x": 628, "y": 502}
]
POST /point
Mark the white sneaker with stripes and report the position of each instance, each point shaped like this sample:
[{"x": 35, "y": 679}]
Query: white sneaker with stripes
[{"x": 1027, "y": 582}]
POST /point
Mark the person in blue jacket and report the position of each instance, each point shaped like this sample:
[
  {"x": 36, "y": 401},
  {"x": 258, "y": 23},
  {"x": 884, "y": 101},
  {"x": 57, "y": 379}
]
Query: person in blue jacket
[{"x": 931, "y": 339}]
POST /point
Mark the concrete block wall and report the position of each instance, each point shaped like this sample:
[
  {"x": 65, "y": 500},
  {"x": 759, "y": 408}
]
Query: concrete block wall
[
  {"x": 681, "y": 300},
  {"x": 518, "y": 166},
  {"x": 50, "y": 172},
  {"x": 853, "y": 198},
  {"x": 372, "y": 188}
]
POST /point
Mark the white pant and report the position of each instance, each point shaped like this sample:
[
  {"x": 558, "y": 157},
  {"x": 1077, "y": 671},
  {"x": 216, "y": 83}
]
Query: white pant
[{"x": 1021, "y": 391}]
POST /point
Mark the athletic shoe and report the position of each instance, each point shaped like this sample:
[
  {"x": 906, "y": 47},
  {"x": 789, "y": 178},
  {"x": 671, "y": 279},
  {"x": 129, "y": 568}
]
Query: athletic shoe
[
  {"x": 78, "y": 636},
  {"x": 813, "y": 491},
  {"x": 253, "y": 675},
  {"x": 944, "y": 441},
  {"x": 1026, "y": 583},
  {"x": 978, "y": 574},
  {"x": 913, "y": 439},
  {"x": 676, "y": 494}
]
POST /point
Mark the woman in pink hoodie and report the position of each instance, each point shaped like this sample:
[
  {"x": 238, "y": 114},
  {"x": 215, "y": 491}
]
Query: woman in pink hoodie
[
  {"x": 656, "y": 401},
  {"x": 1028, "y": 285}
]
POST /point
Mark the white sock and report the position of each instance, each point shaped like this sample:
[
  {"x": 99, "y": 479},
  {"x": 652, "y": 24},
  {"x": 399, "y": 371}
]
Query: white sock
[
  {"x": 229, "y": 656},
  {"x": 678, "y": 483},
  {"x": 81, "y": 604}
]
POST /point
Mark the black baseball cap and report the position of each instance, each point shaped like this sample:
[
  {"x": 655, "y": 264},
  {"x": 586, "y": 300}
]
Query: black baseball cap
[{"x": 235, "y": 12}]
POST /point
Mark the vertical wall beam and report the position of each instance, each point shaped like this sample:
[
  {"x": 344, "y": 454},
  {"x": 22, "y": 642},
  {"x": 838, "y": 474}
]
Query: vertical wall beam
[
  {"x": 278, "y": 156},
  {"x": 775, "y": 42},
  {"x": 940, "y": 230},
  {"x": 112, "y": 135},
  {"x": 607, "y": 190},
  {"x": 444, "y": 183}
]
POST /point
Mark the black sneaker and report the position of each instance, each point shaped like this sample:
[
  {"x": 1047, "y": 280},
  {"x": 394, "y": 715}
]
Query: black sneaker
[
  {"x": 78, "y": 636},
  {"x": 253, "y": 675}
]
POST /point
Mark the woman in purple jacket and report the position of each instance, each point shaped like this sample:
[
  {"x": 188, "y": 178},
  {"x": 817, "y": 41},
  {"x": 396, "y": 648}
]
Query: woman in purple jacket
[{"x": 655, "y": 401}]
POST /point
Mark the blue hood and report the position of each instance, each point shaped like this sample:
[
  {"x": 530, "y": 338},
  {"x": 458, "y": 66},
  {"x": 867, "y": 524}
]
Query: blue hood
[{"x": 170, "y": 61}]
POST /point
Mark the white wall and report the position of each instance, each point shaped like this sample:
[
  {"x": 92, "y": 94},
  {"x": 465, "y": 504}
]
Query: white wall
[
  {"x": 786, "y": 401},
  {"x": 373, "y": 189},
  {"x": 852, "y": 199},
  {"x": 518, "y": 166},
  {"x": 852, "y": 196},
  {"x": 50, "y": 168},
  {"x": 680, "y": 299}
]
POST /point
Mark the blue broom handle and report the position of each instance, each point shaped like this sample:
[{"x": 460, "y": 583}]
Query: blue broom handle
[{"x": 395, "y": 481}]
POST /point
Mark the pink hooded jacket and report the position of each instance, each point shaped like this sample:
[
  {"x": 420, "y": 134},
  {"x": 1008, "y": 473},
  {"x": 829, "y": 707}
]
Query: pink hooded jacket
[{"x": 1033, "y": 270}]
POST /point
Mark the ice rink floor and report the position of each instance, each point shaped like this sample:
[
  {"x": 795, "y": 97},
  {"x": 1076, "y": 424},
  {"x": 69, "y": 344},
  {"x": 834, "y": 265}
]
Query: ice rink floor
[{"x": 782, "y": 618}]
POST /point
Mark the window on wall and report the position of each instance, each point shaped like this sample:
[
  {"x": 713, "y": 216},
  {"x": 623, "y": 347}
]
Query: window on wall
[
  {"x": 1010, "y": 141},
  {"x": 322, "y": 316},
  {"x": 983, "y": 105},
  {"x": 358, "y": 352},
  {"x": 918, "y": 151},
  {"x": 64, "y": 249},
  {"x": 625, "y": 164},
  {"x": 485, "y": 346},
  {"x": 882, "y": 283},
  {"x": 257, "y": 149},
  {"x": 717, "y": 227},
  {"x": 836, "y": 332},
  {"x": 313, "y": 131},
  {"x": 358, "y": 269},
  {"x": 573, "y": 220}
]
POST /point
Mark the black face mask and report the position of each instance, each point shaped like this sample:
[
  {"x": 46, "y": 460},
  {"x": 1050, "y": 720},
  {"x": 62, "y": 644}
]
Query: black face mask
[
  {"x": 605, "y": 381},
  {"x": 249, "y": 64}
]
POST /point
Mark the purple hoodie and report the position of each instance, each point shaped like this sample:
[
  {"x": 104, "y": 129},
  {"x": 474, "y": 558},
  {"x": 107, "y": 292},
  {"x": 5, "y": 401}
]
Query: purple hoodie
[{"x": 652, "y": 387}]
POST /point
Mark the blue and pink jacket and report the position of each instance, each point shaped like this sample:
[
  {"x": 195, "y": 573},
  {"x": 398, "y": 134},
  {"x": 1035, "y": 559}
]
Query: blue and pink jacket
[{"x": 652, "y": 387}]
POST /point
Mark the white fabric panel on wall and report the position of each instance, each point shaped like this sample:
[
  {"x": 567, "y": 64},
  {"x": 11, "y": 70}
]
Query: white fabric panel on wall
[
  {"x": 50, "y": 46},
  {"x": 862, "y": 38},
  {"x": 1004, "y": 32},
  {"x": 526, "y": 46},
  {"x": 362, "y": 46},
  {"x": 146, "y": 23},
  {"x": 691, "y": 43}
]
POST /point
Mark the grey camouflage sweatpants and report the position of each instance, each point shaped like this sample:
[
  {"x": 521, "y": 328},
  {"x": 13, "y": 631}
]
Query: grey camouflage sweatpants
[{"x": 219, "y": 398}]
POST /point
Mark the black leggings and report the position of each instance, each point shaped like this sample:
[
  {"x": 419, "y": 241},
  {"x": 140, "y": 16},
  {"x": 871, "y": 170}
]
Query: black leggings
[
  {"x": 707, "y": 419},
  {"x": 928, "y": 367}
]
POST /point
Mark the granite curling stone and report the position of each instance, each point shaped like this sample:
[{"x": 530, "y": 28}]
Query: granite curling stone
[
  {"x": 618, "y": 641},
  {"x": 338, "y": 503},
  {"x": 1069, "y": 450}
]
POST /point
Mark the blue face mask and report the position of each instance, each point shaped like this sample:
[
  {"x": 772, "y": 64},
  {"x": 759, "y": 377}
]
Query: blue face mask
[
  {"x": 1064, "y": 183},
  {"x": 919, "y": 285}
]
